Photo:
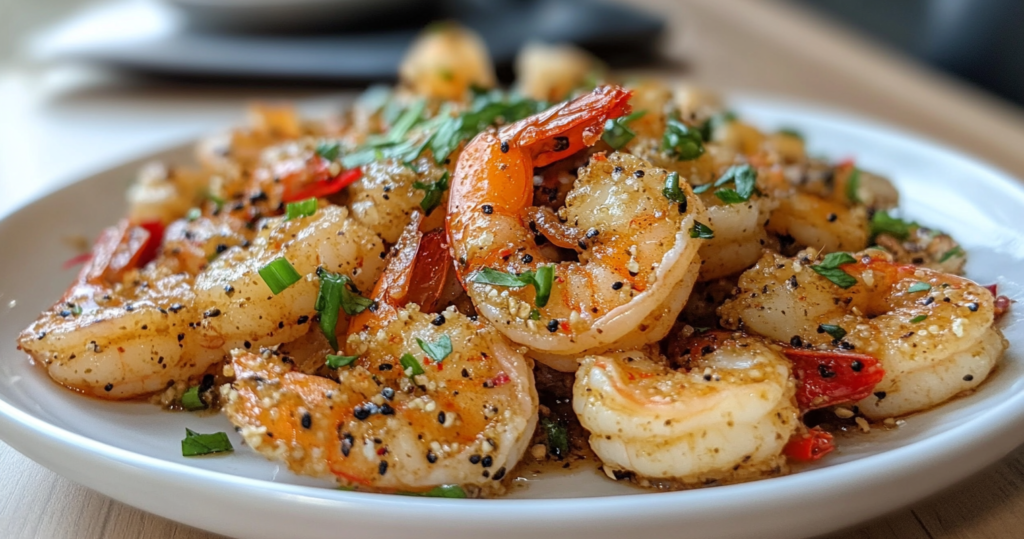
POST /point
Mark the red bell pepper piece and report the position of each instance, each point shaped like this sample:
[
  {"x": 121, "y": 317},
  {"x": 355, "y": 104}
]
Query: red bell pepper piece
[
  {"x": 810, "y": 445},
  {"x": 827, "y": 378},
  {"x": 324, "y": 188}
]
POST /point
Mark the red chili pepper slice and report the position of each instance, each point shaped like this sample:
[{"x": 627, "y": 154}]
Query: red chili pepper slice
[
  {"x": 152, "y": 246},
  {"x": 827, "y": 378},
  {"x": 810, "y": 445},
  {"x": 326, "y": 187}
]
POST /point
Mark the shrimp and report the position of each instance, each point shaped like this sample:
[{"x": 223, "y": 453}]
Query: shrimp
[
  {"x": 740, "y": 235},
  {"x": 637, "y": 248},
  {"x": 724, "y": 414},
  {"x": 445, "y": 61},
  {"x": 810, "y": 220},
  {"x": 432, "y": 399},
  {"x": 932, "y": 332},
  {"x": 163, "y": 193},
  {"x": 551, "y": 72}
]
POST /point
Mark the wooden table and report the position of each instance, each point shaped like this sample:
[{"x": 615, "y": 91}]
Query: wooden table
[{"x": 744, "y": 45}]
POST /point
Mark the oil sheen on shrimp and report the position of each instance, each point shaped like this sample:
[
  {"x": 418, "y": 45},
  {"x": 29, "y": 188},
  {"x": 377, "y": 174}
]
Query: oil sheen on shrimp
[
  {"x": 932, "y": 332},
  {"x": 723, "y": 415},
  {"x": 398, "y": 418},
  {"x": 636, "y": 257}
]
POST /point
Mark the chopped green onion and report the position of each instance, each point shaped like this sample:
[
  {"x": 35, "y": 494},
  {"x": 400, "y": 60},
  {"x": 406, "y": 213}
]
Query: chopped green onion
[
  {"x": 919, "y": 287},
  {"x": 76, "y": 309},
  {"x": 432, "y": 192},
  {"x": 436, "y": 350},
  {"x": 335, "y": 295},
  {"x": 279, "y": 274},
  {"x": 193, "y": 214},
  {"x": 407, "y": 120},
  {"x": 557, "y": 437},
  {"x": 192, "y": 400},
  {"x": 853, "y": 186},
  {"x": 542, "y": 281},
  {"x": 672, "y": 191},
  {"x": 441, "y": 491},
  {"x": 374, "y": 98},
  {"x": 829, "y": 269},
  {"x": 681, "y": 141},
  {"x": 918, "y": 319},
  {"x": 616, "y": 133},
  {"x": 487, "y": 109},
  {"x": 196, "y": 444},
  {"x": 883, "y": 223},
  {"x": 328, "y": 150},
  {"x": 409, "y": 362},
  {"x": 790, "y": 132},
  {"x": 702, "y": 231},
  {"x": 337, "y": 362},
  {"x": 955, "y": 251},
  {"x": 835, "y": 332},
  {"x": 305, "y": 208}
]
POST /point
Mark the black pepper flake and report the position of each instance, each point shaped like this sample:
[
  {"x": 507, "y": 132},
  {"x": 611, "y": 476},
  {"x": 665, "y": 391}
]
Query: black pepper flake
[
  {"x": 832, "y": 217},
  {"x": 382, "y": 468},
  {"x": 438, "y": 320},
  {"x": 388, "y": 393},
  {"x": 968, "y": 377},
  {"x": 706, "y": 350},
  {"x": 561, "y": 144},
  {"x": 228, "y": 289},
  {"x": 499, "y": 474},
  {"x": 792, "y": 282},
  {"x": 386, "y": 409},
  {"x": 441, "y": 417},
  {"x": 129, "y": 307},
  {"x": 431, "y": 457},
  {"x": 247, "y": 345},
  {"x": 582, "y": 244},
  {"x": 682, "y": 206},
  {"x": 504, "y": 146},
  {"x": 846, "y": 345},
  {"x": 181, "y": 337},
  {"x": 363, "y": 411},
  {"x": 973, "y": 307},
  {"x": 796, "y": 341},
  {"x": 487, "y": 208},
  {"x": 825, "y": 372},
  {"x": 880, "y": 394},
  {"x": 465, "y": 373},
  {"x": 487, "y": 461},
  {"x": 617, "y": 170},
  {"x": 346, "y": 444},
  {"x": 474, "y": 459},
  {"x": 221, "y": 248},
  {"x": 302, "y": 320},
  {"x": 280, "y": 325},
  {"x": 707, "y": 377},
  {"x": 175, "y": 307},
  {"x": 307, "y": 420},
  {"x": 591, "y": 233},
  {"x": 617, "y": 285},
  {"x": 856, "y": 366},
  {"x": 385, "y": 367},
  {"x": 108, "y": 387},
  {"x": 928, "y": 301},
  {"x": 212, "y": 313},
  {"x": 639, "y": 174},
  {"x": 64, "y": 314},
  {"x": 553, "y": 325}
]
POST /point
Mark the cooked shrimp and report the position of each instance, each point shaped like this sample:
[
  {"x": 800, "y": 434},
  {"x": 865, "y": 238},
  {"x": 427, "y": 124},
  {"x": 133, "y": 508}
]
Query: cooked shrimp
[
  {"x": 400, "y": 417},
  {"x": 818, "y": 222},
  {"x": 551, "y": 72},
  {"x": 932, "y": 332},
  {"x": 387, "y": 194},
  {"x": 636, "y": 247},
  {"x": 740, "y": 235},
  {"x": 445, "y": 61},
  {"x": 163, "y": 193},
  {"x": 724, "y": 415}
]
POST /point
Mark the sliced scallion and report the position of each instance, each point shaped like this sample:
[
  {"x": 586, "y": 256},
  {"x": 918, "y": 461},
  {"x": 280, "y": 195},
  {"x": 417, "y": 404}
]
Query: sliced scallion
[{"x": 279, "y": 274}]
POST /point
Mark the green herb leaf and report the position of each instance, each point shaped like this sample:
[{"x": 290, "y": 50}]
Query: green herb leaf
[
  {"x": 192, "y": 401},
  {"x": 436, "y": 350},
  {"x": 557, "y": 438},
  {"x": 76, "y": 309},
  {"x": 193, "y": 214},
  {"x": 279, "y": 274},
  {"x": 441, "y": 491},
  {"x": 374, "y": 98},
  {"x": 410, "y": 362},
  {"x": 304, "y": 208},
  {"x": 486, "y": 110},
  {"x": 335, "y": 294},
  {"x": 337, "y": 362},
  {"x": 702, "y": 231},
  {"x": 955, "y": 251},
  {"x": 918, "y": 319},
  {"x": 672, "y": 191},
  {"x": 707, "y": 130},
  {"x": 196, "y": 444},
  {"x": 835, "y": 332},
  {"x": 217, "y": 201},
  {"x": 829, "y": 269},
  {"x": 432, "y": 192},
  {"x": 883, "y": 223},
  {"x": 407, "y": 120},
  {"x": 616, "y": 133},
  {"x": 919, "y": 287},
  {"x": 790, "y": 132},
  {"x": 329, "y": 150},
  {"x": 500, "y": 278},
  {"x": 681, "y": 141},
  {"x": 853, "y": 186},
  {"x": 534, "y": 314},
  {"x": 745, "y": 179},
  {"x": 542, "y": 281}
]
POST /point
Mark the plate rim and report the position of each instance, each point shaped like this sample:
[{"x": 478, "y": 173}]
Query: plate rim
[{"x": 993, "y": 426}]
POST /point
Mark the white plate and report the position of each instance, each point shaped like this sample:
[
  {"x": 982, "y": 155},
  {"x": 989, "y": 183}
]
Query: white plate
[{"x": 131, "y": 452}]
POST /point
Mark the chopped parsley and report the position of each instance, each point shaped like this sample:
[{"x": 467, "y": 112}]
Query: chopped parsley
[
  {"x": 557, "y": 438},
  {"x": 617, "y": 133},
  {"x": 672, "y": 191},
  {"x": 192, "y": 400},
  {"x": 833, "y": 331},
  {"x": 918, "y": 319},
  {"x": 829, "y": 269},
  {"x": 883, "y": 223},
  {"x": 744, "y": 177},
  {"x": 542, "y": 280},
  {"x": 436, "y": 350},
  {"x": 682, "y": 141},
  {"x": 919, "y": 287},
  {"x": 337, "y": 362},
  {"x": 410, "y": 365},
  {"x": 432, "y": 192},
  {"x": 196, "y": 444},
  {"x": 702, "y": 231}
]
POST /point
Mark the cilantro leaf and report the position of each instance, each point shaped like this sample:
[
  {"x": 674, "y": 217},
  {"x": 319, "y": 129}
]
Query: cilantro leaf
[
  {"x": 829, "y": 269},
  {"x": 919, "y": 287},
  {"x": 409, "y": 362},
  {"x": 196, "y": 444},
  {"x": 834, "y": 331},
  {"x": 336, "y": 362},
  {"x": 432, "y": 192},
  {"x": 557, "y": 438},
  {"x": 436, "y": 350},
  {"x": 682, "y": 141},
  {"x": 883, "y": 223},
  {"x": 702, "y": 231}
]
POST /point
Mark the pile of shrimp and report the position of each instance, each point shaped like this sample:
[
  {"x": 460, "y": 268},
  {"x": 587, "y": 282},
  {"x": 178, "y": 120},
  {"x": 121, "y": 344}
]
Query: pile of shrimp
[{"x": 376, "y": 298}]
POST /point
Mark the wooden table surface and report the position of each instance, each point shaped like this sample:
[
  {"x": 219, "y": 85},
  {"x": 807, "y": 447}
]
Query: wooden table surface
[{"x": 743, "y": 45}]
